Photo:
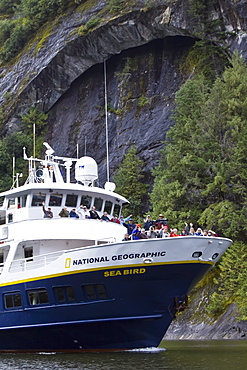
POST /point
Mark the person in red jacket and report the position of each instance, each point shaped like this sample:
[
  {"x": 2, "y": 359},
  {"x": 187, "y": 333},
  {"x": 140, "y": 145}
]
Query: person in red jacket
[{"x": 174, "y": 232}]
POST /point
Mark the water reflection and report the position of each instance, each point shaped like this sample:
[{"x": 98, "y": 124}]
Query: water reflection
[{"x": 171, "y": 355}]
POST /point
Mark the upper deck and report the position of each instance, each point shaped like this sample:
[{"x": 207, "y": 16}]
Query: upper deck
[{"x": 49, "y": 183}]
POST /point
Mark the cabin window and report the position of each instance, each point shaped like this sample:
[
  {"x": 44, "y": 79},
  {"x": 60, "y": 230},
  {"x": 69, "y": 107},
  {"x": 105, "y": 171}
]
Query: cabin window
[
  {"x": 55, "y": 200},
  {"x": 86, "y": 201},
  {"x": 12, "y": 300},
  {"x": 11, "y": 203},
  {"x": 94, "y": 292},
  {"x": 38, "y": 199},
  {"x": 108, "y": 207},
  {"x": 28, "y": 253},
  {"x": 116, "y": 210},
  {"x": 98, "y": 204},
  {"x": 1, "y": 201},
  {"x": 101, "y": 291},
  {"x": 64, "y": 294},
  {"x": 23, "y": 201},
  {"x": 37, "y": 297},
  {"x": 71, "y": 200},
  {"x": 89, "y": 292},
  {"x": 1, "y": 257},
  {"x": 2, "y": 218}
]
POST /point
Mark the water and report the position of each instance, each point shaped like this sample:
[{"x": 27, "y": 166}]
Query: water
[{"x": 171, "y": 355}]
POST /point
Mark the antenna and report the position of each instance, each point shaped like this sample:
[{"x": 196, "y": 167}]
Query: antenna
[
  {"x": 106, "y": 127},
  {"x": 34, "y": 140},
  {"x": 13, "y": 174}
]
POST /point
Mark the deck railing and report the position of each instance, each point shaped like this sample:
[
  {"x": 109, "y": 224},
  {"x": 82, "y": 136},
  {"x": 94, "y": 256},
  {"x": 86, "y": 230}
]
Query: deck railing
[{"x": 35, "y": 262}]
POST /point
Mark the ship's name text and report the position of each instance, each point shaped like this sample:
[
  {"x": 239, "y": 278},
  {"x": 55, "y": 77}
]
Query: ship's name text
[
  {"x": 119, "y": 257},
  {"x": 124, "y": 272}
]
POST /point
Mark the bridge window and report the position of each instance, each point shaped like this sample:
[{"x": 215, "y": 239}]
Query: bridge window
[
  {"x": 22, "y": 201},
  {"x": 55, "y": 200},
  {"x": 37, "y": 297},
  {"x": 12, "y": 300},
  {"x": 86, "y": 201},
  {"x": 38, "y": 199},
  {"x": 11, "y": 203},
  {"x": 71, "y": 200},
  {"x": 1, "y": 201},
  {"x": 108, "y": 207},
  {"x": 98, "y": 204},
  {"x": 116, "y": 210}
]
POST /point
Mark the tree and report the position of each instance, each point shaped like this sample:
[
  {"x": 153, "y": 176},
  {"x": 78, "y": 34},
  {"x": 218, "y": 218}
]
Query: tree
[
  {"x": 12, "y": 146},
  {"x": 202, "y": 173},
  {"x": 129, "y": 182},
  {"x": 34, "y": 116},
  {"x": 180, "y": 175}
]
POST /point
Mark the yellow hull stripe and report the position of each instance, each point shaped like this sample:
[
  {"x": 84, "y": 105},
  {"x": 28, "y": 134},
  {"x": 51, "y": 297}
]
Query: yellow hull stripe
[{"x": 104, "y": 268}]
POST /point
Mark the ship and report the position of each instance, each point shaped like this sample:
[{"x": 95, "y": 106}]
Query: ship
[{"x": 70, "y": 284}]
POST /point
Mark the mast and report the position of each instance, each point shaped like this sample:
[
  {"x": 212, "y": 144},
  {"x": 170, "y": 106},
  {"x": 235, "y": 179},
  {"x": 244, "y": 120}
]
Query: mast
[{"x": 106, "y": 127}]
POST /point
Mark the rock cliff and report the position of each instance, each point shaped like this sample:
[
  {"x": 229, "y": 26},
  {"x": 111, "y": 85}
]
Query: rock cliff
[{"x": 144, "y": 47}]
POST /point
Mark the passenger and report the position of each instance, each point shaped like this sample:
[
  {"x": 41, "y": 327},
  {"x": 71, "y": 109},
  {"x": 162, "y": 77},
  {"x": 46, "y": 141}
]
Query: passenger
[
  {"x": 205, "y": 232},
  {"x": 199, "y": 232},
  {"x": 187, "y": 228},
  {"x": 122, "y": 220},
  {"x": 64, "y": 212},
  {"x": 130, "y": 226},
  {"x": 164, "y": 233},
  {"x": 136, "y": 232},
  {"x": 83, "y": 212},
  {"x": 93, "y": 214},
  {"x": 142, "y": 234},
  {"x": 212, "y": 233},
  {"x": 126, "y": 237},
  {"x": 192, "y": 231},
  {"x": 47, "y": 213},
  {"x": 105, "y": 217},
  {"x": 160, "y": 221},
  {"x": 147, "y": 223},
  {"x": 115, "y": 219},
  {"x": 173, "y": 233},
  {"x": 73, "y": 213},
  {"x": 183, "y": 233},
  {"x": 151, "y": 233}
]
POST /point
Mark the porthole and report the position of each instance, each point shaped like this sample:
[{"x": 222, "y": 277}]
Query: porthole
[
  {"x": 196, "y": 254},
  {"x": 214, "y": 256}
]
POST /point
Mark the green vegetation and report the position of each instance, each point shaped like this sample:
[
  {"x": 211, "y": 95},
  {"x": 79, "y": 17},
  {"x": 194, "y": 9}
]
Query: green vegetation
[
  {"x": 231, "y": 282},
  {"x": 19, "y": 20},
  {"x": 202, "y": 174},
  {"x": 34, "y": 116},
  {"x": 129, "y": 182},
  {"x": 143, "y": 101},
  {"x": 12, "y": 146},
  {"x": 116, "y": 6}
]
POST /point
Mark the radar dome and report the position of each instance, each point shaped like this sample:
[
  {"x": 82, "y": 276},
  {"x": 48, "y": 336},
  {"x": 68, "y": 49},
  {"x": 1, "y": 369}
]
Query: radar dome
[{"x": 86, "y": 170}]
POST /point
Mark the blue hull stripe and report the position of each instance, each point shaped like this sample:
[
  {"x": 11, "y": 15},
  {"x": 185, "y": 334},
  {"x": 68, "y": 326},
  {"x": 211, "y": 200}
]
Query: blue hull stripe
[{"x": 84, "y": 321}]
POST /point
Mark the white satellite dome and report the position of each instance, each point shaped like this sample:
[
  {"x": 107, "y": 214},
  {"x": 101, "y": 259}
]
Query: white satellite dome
[{"x": 86, "y": 170}]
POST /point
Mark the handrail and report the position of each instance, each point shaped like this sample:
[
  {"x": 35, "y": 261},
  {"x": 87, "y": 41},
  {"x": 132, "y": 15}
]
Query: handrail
[{"x": 35, "y": 262}]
